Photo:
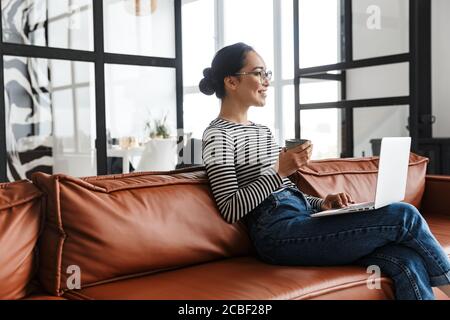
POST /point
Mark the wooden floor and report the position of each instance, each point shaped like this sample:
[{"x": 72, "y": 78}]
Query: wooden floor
[{"x": 440, "y": 295}]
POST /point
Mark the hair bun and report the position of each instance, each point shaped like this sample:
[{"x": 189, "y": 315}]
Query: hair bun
[
  {"x": 207, "y": 73},
  {"x": 207, "y": 84}
]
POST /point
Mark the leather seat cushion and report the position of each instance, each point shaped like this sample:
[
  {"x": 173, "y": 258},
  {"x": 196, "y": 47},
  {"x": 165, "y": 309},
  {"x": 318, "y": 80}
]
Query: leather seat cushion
[
  {"x": 20, "y": 219},
  {"x": 248, "y": 278},
  {"x": 243, "y": 278}
]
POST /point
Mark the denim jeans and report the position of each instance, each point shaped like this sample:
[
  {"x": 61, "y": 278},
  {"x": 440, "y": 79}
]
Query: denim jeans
[{"x": 395, "y": 238}]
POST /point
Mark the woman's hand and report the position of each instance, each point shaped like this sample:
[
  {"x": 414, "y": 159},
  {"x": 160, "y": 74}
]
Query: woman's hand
[
  {"x": 290, "y": 160},
  {"x": 338, "y": 200}
]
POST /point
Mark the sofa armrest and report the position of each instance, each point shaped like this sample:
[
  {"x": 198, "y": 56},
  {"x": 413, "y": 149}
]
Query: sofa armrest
[{"x": 436, "y": 198}]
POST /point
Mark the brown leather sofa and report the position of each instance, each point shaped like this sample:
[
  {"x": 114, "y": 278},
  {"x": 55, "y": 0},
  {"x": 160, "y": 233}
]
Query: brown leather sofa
[{"x": 159, "y": 235}]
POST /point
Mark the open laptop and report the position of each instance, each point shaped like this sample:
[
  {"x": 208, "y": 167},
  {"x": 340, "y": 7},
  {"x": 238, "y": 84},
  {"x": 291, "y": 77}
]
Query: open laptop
[{"x": 391, "y": 180}]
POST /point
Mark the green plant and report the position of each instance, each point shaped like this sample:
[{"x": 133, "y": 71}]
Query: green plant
[{"x": 158, "y": 129}]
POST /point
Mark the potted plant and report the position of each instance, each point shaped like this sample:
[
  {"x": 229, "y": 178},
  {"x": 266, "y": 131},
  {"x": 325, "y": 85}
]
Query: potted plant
[
  {"x": 158, "y": 129},
  {"x": 160, "y": 149}
]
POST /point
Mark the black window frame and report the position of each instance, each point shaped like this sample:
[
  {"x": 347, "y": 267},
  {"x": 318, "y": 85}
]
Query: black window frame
[
  {"x": 99, "y": 57},
  {"x": 418, "y": 57}
]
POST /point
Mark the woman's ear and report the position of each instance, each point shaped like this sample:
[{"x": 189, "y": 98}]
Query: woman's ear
[{"x": 230, "y": 82}]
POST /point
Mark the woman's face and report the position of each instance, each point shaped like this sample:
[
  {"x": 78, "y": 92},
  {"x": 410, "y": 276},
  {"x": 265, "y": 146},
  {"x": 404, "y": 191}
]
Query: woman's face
[{"x": 250, "y": 90}]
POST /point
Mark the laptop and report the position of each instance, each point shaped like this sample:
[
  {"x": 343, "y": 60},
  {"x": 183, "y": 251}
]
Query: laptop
[{"x": 391, "y": 179}]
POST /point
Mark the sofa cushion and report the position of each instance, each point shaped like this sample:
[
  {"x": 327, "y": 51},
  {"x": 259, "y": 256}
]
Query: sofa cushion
[
  {"x": 122, "y": 225},
  {"x": 358, "y": 177},
  {"x": 247, "y": 278},
  {"x": 244, "y": 278},
  {"x": 20, "y": 212}
]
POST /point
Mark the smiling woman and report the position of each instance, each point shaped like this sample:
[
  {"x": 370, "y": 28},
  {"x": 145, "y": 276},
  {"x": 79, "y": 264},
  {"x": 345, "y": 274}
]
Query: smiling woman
[
  {"x": 248, "y": 174},
  {"x": 240, "y": 156}
]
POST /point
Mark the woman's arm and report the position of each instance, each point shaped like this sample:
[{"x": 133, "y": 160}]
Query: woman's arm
[
  {"x": 315, "y": 202},
  {"x": 218, "y": 158}
]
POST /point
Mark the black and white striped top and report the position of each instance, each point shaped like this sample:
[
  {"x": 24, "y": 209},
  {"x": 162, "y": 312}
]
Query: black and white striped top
[{"x": 239, "y": 161}]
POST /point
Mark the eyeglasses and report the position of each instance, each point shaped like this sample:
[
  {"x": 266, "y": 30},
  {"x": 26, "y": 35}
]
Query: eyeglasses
[{"x": 263, "y": 75}]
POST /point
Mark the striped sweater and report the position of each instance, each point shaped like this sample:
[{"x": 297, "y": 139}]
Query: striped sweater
[{"x": 239, "y": 161}]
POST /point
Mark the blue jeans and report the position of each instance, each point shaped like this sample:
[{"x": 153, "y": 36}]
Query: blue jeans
[{"x": 395, "y": 238}]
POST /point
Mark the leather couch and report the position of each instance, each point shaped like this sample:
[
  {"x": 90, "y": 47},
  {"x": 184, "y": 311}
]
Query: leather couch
[{"x": 159, "y": 235}]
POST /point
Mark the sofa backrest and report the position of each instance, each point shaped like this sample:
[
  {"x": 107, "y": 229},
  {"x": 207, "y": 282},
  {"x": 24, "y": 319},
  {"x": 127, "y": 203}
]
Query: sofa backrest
[
  {"x": 358, "y": 177},
  {"x": 111, "y": 227},
  {"x": 20, "y": 218}
]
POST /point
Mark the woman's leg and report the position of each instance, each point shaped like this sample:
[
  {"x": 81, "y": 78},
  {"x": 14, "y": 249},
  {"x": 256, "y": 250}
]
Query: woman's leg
[
  {"x": 405, "y": 267},
  {"x": 292, "y": 237}
]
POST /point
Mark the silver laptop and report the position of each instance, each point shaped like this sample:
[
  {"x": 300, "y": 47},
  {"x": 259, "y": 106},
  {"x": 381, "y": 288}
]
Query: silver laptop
[{"x": 391, "y": 179}]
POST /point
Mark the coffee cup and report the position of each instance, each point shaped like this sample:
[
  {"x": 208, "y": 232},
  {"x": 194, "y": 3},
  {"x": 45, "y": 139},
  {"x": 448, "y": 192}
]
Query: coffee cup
[{"x": 291, "y": 143}]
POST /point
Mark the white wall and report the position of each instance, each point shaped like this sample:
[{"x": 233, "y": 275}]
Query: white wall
[
  {"x": 382, "y": 81},
  {"x": 440, "y": 67}
]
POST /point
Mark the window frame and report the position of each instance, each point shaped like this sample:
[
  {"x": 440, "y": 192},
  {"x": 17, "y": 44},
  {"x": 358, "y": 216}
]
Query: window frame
[
  {"x": 277, "y": 82},
  {"x": 99, "y": 57},
  {"x": 418, "y": 70}
]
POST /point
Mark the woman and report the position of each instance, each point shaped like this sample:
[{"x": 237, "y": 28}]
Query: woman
[{"x": 248, "y": 176}]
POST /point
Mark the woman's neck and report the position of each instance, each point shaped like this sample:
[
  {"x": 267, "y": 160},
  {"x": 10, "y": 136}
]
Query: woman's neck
[{"x": 233, "y": 112}]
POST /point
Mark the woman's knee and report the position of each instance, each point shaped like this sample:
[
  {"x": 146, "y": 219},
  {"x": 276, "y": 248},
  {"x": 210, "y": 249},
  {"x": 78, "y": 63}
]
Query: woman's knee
[
  {"x": 406, "y": 213},
  {"x": 404, "y": 208}
]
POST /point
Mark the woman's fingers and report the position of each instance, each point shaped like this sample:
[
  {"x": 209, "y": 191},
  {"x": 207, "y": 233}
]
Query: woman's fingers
[
  {"x": 349, "y": 198},
  {"x": 302, "y": 148},
  {"x": 336, "y": 201},
  {"x": 342, "y": 200},
  {"x": 301, "y": 155},
  {"x": 345, "y": 199},
  {"x": 310, "y": 151}
]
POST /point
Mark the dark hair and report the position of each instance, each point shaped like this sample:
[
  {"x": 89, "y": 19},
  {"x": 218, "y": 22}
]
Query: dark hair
[{"x": 227, "y": 61}]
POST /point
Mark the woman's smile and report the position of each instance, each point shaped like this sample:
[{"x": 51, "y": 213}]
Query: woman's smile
[{"x": 263, "y": 93}]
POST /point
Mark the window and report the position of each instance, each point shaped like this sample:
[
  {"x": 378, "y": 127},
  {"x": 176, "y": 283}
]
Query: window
[
  {"x": 199, "y": 46},
  {"x": 319, "y": 32},
  {"x": 389, "y": 80},
  {"x": 49, "y": 23},
  {"x": 266, "y": 25},
  {"x": 135, "y": 27},
  {"x": 380, "y": 28},
  {"x": 371, "y": 124},
  {"x": 138, "y": 98},
  {"x": 321, "y": 127},
  {"x": 82, "y": 79},
  {"x": 50, "y": 116},
  {"x": 353, "y": 87},
  {"x": 252, "y": 22}
]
